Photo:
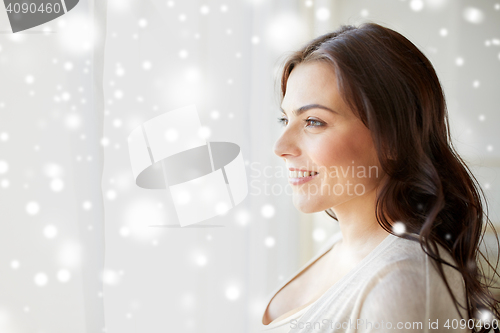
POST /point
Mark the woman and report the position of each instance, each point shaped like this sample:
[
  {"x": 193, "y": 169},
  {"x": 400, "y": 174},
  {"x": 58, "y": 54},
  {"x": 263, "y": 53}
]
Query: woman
[{"x": 366, "y": 138}]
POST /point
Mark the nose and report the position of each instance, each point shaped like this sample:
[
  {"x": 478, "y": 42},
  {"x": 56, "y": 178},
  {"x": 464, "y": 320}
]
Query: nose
[{"x": 286, "y": 146}]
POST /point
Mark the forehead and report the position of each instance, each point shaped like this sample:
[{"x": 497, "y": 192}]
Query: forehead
[{"x": 308, "y": 83}]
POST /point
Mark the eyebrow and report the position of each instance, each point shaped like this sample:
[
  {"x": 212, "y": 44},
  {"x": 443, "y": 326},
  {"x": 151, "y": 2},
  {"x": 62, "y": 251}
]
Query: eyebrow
[{"x": 304, "y": 108}]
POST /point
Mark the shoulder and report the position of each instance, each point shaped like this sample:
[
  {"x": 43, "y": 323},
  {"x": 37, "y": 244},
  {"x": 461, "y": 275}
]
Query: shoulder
[
  {"x": 399, "y": 281},
  {"x": 406, "y": 286},
  {"x": 399, "y": 259},
  {"x": 403, "y": 255},
  {"x": 404, "y": 262}
]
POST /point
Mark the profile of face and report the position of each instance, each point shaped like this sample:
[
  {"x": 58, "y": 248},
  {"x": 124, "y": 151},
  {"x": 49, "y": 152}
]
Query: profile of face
[{"x": 328, "y": 151}]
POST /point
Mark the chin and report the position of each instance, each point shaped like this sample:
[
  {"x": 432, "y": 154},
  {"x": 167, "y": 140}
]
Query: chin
[{"x": 307, "y": 206}]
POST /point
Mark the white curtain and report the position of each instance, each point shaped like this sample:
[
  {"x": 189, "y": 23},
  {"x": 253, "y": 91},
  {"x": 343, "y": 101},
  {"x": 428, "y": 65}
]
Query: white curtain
[
  {"x": 83, "y": 249},
  {"x": 160, "y": 56},
  {"x": 51, "y": 165}
]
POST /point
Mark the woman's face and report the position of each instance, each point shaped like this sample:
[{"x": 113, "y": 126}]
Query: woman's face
[{"x": 321, "y": 134}]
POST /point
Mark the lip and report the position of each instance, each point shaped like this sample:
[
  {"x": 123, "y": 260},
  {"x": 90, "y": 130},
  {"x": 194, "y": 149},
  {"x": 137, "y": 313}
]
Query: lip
[
  {"x": 295, "y": 169},
  {"x": 301, "y": 180}
]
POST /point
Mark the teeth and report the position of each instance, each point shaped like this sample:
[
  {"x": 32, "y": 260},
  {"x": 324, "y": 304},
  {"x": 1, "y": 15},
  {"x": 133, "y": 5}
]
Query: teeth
[{"x": 301, "y": 174}]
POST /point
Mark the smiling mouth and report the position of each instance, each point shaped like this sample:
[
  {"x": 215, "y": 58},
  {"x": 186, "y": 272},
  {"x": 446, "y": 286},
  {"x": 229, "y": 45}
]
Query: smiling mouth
[
  {"x": 301, "y": 174},
  {"x": 301, "y": 177}
]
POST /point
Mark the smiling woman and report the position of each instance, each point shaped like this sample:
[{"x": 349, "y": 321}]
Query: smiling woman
[
  {"x": 318, "y": 139},
  {"x": 406, "y": 259}
]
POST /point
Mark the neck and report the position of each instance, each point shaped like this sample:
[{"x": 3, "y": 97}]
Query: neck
[{"x": 358, "y": 224}]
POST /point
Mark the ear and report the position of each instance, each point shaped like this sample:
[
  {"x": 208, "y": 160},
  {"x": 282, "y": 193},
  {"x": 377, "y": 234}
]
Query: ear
[{"x": 391, "y": 153}]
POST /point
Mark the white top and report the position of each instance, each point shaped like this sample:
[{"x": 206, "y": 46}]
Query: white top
[{"x": 394, "y": 286}]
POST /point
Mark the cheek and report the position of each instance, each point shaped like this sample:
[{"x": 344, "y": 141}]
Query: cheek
[{"x": 340, "y": 149}]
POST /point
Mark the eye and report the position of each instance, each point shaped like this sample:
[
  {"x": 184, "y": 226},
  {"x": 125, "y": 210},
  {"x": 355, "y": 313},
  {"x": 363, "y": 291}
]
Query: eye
[
  {"x": 314, "y": 122},
  {"x": 283, "y": 121}
]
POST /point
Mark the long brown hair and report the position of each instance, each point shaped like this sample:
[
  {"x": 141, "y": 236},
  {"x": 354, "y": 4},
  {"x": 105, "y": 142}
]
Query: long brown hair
[{"x": 394, "y": 90}]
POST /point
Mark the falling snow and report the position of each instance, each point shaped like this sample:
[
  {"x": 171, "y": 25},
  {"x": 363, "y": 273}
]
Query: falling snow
[
  {"x": 117, "y": 123},
  {"x": 322, "y": 14},
  {"x": 69, "y": 254},
  {"x": 111, "y": 195},
  {"x": 204, "y": 10},
  {"x": 87, "y": 205},
  {"x": 270, "y": 241},
  {"x": 243, "y": 217},
  {"x": 188, "y": 301},
  {"x": 63, "y": 275},
  {"x": 201, "y": 259},
  {"x": 215, "y": 114},
  {"x": 473, "y": 15},
  {"x": 50, "y": 231},
  {"x": 57, "y": 185},
  {"x": 68, "y": 66},
  {"x": 125, "y": 231},
  {"x": 32, "y": 208},
  {"x": 319, "y": 234},
  {"x": 120, "y": 71},
  {"x": 41, "y": 279},
  {"x": 267, "y": 211},
  {"x": 416, "y": 5},
  {"x": 399, "y": 228},
  {"x": 118, "y": 94},
  {"x": 4, "y": 167},
  {"x": 232, "y": 293},
  {"x": 14, "y": 264},
  {"x": 221, "y": 208},
  {"x": 110, "y": 277},
  {"x": 30, "y": 79}
]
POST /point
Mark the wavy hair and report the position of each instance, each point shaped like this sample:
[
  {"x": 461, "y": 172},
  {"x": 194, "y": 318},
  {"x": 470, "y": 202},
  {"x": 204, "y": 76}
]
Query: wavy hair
[{"x": 393, "y": 89}]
